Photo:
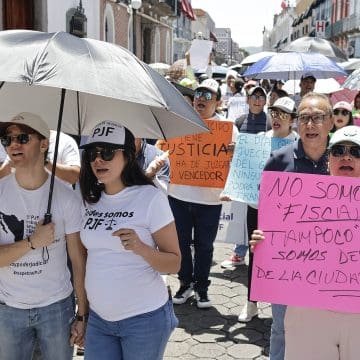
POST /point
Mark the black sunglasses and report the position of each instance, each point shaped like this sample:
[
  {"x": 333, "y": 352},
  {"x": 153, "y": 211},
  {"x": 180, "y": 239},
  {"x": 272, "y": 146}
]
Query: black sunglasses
[
  {"x": 22, "y": 139},
  {"x": 106, "y": 154},
  {"x": 341, "y": 112},
  {"x": 341, "y": 150}
]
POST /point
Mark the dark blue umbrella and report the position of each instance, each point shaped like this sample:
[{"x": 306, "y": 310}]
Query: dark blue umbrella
[{"x": 293, "y": 65}]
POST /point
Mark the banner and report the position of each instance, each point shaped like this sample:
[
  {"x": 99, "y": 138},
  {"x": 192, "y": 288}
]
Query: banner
[
  {"x": 232, "y": 225},
  {"x": 201, "y": 159},
  {"x": 251, "y": 153},
  {"x": 311, "y": 253},
  {"x": 356, "y": 121}
]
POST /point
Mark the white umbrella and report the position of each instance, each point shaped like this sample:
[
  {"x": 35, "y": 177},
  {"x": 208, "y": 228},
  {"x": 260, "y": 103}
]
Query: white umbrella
[
  {"x": 323, "y": 86},
  {"x": 253, "y": 58},
  {"x": 74, "y": 83},
  {"x": 351, "y": 64},
  {"x": 100, "y": 81},
  {"x": 309, "y": 44},
  {"x": 161, "y": 68},
  {"x": 353, "y": 81}
]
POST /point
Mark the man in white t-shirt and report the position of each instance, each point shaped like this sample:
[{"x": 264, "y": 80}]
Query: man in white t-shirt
[
  {"x": 36, "y": 302},
  {"x": 197, "y": 211},
  {"x": 68, "y": 159}
]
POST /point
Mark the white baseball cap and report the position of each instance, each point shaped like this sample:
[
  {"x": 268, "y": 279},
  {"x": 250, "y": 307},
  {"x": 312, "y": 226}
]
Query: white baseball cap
[
  {"x": 349, "y": 133},
  {"x": 285, "y": 104},
  {"x": 209, "y": 84},
  {"x": 111, "y": 134}
]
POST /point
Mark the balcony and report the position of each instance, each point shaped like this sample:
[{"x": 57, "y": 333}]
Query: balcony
[{"x": 161, "y": 7}]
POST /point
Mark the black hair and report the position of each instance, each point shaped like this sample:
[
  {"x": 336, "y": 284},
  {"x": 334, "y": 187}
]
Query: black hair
[
  {"x": 238, "y": 85},
  {"x": 279, "y": 92},
  {"x": 131, "y": 175},
  {"x": 350, "y": 122},
  {"x": 356, "y": 96},
  {"x": 218, "y": 94}
]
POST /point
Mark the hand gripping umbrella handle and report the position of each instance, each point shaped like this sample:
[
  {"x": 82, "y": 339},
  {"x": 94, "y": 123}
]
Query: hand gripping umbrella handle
[
  {"x": 47, "y": 218},
  {"x": 45, "y": 252}
]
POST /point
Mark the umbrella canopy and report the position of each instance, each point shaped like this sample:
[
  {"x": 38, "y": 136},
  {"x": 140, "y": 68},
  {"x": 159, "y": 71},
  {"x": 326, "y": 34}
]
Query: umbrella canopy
[
  {"x": 102, "y": 81},
  {"x": 322, "y": 86},
  {"x": 293, "y": 66},
  {"x": 217, "y": 71},
  {"x": 253, "y": 58},
  {"x": 308, "y": 44},
  {"x": 351, "y": 64},
  {"x": 161, "y": 68},
  {"x": 353, "y": 81}
]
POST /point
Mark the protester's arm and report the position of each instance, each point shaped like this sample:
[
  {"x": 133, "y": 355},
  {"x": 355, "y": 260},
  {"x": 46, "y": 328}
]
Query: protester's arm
[
  {"x": 161, "y": 176},
  {"x": 68, "y": 173},
  {"x": 43, "y": 236},
  {"x": 5, "y": 169},
  {"x": 77, "y": 254},
  {"x": 166, "y": 258},
  {"x": 68, "y": 160}
]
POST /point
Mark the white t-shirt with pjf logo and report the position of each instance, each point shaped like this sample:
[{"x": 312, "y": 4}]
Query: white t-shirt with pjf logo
[
  {"x": 33, "y": 280},
  {"x": 119, "y": 283}
]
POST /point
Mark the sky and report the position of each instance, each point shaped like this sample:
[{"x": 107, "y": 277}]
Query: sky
[{"x": 245, "y": 18}]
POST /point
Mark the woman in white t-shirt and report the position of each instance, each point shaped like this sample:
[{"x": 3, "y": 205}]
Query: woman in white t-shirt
[{"x": 129, "y": 232}]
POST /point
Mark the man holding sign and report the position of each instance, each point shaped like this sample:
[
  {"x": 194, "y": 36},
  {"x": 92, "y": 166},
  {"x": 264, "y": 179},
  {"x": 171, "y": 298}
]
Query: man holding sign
[
  {"x": 306, "y": 155},
  {"x": 336, "y": 332},
  {"x": 196, "y": 206}
]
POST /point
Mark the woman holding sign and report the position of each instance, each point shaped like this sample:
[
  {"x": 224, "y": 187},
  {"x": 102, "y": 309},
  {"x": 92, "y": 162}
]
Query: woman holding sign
[{"x": 317, "y": 333}]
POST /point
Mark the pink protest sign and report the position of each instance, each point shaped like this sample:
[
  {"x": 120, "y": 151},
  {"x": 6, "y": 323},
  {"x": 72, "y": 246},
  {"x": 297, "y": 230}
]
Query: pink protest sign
[{"x": 311, "y": 253}]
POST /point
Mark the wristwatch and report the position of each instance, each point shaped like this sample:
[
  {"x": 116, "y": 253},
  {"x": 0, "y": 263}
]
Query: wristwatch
[{"x": 82, "y": 317}]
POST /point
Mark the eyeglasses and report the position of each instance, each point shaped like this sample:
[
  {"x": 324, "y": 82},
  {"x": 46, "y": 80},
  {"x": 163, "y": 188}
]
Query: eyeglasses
[
  {"x": 205, "y": 94},
  {"x": 258, "y": 97},
  {"x": 341, "y": 150},
  {"x": 315, "y": 118},
  {"x": 279, "y": 114},
  {"x": 106, "y": 154},
  {"x": 22, "y": 139},
  {"x": 341, "y": 112}
]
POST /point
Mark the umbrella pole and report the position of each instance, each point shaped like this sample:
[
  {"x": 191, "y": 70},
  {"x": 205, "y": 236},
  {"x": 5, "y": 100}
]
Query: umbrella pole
[
  {"x": 78, "y": 113},
  {"x": 47, "y": 218},
  {"x": 158, "y": 124}
]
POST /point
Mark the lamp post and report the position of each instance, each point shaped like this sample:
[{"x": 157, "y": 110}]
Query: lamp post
[
  {"x": 78, "y": 22},
  {"x": 135, "y": 5}
]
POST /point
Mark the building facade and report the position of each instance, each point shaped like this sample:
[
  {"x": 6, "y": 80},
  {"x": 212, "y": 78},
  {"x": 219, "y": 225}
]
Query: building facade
[
  {"x": 51, "y": 16},
  {"x": 335, "y": 20}
]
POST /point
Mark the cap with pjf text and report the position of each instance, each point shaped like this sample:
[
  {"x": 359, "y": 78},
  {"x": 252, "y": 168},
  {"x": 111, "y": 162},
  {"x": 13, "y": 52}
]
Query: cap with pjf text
[{"x": 109, "y": 133}]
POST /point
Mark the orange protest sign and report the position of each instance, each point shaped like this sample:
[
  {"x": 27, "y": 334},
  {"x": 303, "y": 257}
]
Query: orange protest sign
[{"x": 201, "y": 159}]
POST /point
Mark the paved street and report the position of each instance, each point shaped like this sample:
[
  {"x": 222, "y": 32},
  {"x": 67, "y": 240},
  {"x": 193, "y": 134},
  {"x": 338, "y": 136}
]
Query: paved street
[{"x": 215, "y": 333}]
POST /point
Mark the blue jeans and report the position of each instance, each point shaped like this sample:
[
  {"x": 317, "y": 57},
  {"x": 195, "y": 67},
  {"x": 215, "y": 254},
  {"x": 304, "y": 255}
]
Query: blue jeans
[
  {"x": 204, "y": 220},
  {"x": 50, "y": 326},
  {"x": 277, "y": 337},
  {"x": 136, "y": 338},
  {"x": 241, "y": 250}
]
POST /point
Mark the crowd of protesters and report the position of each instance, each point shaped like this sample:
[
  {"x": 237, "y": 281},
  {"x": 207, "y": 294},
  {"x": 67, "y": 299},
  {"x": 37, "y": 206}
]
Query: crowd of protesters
[{"x": 91, "y": 276}]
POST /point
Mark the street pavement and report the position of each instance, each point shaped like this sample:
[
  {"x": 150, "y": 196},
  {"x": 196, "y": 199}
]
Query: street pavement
[{"x": 215, "y": 333}]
